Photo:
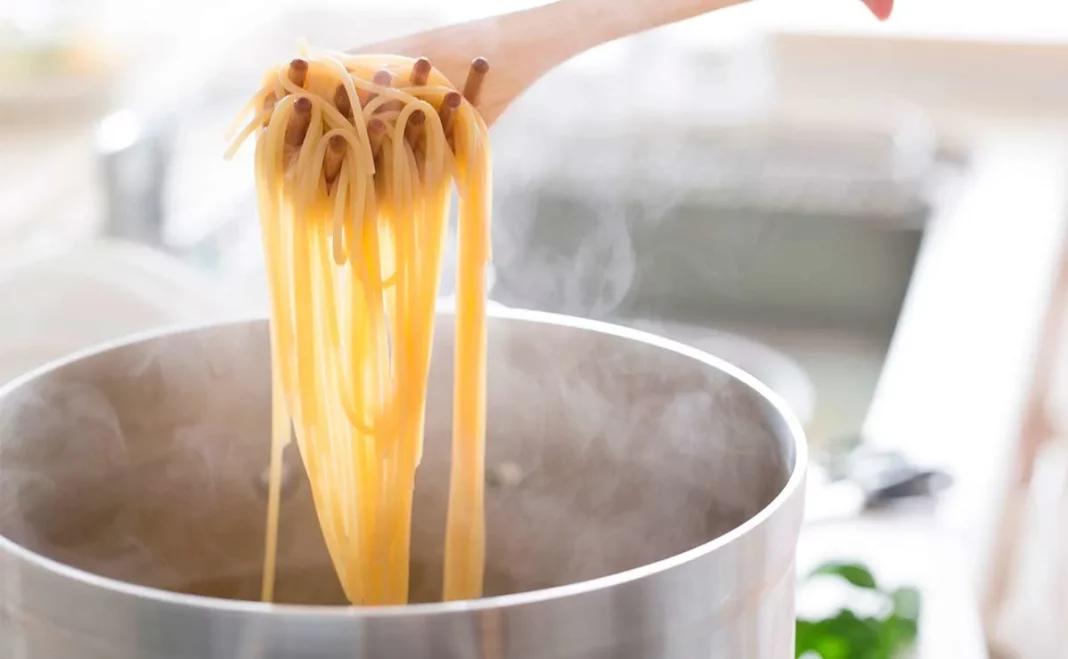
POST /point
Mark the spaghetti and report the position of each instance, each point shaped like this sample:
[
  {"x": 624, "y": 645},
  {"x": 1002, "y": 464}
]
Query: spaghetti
[{"x": 356, "y": 157}]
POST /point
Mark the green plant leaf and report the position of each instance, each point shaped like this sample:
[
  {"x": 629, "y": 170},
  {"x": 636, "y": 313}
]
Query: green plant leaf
[
  {"x": 855, "y": 573},
  {"x": 845, "y": 635},
  {"x": 806, "y": 637},
  {"x": 817, "y": 637},
  {"x": 906, "y": 603},
  {"x": 862, "y": 634},
  {"x": 897, "y": 634}
]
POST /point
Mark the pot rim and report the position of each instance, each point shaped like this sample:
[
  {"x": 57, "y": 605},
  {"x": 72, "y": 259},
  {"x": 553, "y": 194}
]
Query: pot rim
[{"x": 792, "y": 488}]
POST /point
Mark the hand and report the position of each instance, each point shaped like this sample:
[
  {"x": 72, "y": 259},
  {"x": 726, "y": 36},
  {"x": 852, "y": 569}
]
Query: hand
[{"x": 881, "y": 8}]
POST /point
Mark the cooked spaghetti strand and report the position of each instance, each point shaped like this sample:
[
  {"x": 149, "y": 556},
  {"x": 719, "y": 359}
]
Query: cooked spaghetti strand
[{"x": 356, "y": 158}]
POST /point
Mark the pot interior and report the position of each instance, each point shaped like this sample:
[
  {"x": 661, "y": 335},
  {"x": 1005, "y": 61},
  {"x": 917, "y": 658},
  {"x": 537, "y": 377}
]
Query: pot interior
[{"x": 144, "y": 463}]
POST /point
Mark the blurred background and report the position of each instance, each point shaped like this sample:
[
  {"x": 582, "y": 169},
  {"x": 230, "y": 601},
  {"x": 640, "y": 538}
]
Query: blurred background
[{"x": 868, "y": 217}]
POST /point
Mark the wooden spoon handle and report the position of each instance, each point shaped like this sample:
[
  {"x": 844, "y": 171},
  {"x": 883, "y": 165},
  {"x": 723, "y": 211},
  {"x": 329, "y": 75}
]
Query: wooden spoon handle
[{"x": 523, "y": 46}]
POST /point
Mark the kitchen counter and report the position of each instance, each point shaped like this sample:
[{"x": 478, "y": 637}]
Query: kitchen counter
[
  {"x": 909, "y": 548},
  {"x": 956, "y": 388}
]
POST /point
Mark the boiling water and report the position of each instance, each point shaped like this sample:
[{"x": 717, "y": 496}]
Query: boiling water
[{"x": 143, "y": 464}]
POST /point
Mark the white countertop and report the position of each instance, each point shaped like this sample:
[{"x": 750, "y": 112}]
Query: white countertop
[
  {"x": 954, "y": 391},
  {"x": 909, "y": 548}
]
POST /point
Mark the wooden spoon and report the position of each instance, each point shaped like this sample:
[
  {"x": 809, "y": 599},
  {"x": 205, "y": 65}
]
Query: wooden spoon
[{"x": 525, "y": 45}]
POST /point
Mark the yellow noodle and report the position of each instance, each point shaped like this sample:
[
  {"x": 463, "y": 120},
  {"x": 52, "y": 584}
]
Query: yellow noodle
[{"x": 353, "y": 271}]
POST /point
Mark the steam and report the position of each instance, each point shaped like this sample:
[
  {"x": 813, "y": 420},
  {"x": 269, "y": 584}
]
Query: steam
[
  {"x": 604, "y": 454},
  {"x": 628, "y": 455},
  {"x": 141, "y": 463},
  {"x": 43, "y": 481},
  {"x": 543, "y": 257},
  {"x": 589, "y": 277}
]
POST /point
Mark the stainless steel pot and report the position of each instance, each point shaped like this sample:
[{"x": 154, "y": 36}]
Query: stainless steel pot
[{"x": 644, "y": 500}]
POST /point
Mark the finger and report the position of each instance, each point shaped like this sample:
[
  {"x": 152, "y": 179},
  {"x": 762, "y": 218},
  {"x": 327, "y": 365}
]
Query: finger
[{"x": 881, "y": 8}]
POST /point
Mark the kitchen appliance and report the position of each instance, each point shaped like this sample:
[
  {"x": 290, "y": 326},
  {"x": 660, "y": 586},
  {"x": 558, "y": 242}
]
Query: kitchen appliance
[{"x": 644, "y": 499}]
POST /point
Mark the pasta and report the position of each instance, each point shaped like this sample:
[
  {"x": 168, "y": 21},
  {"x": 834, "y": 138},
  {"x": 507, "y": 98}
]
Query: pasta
[{"x": 356, "y": 158}]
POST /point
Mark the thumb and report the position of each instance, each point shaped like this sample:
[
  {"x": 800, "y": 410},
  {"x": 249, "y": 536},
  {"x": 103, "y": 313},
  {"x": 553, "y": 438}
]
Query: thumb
[{"x": 881, "y": 8}]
